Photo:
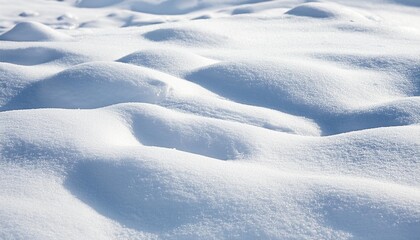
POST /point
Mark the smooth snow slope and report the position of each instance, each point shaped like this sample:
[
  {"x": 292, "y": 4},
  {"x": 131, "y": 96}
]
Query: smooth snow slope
[{"x": 209, "y": 119}]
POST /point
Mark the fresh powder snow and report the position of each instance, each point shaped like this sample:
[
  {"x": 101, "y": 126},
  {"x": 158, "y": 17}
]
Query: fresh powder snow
[{"x": 210, "y": 119}]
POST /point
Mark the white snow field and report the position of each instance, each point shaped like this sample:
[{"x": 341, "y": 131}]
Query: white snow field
[{"x": 210, "y": 119}]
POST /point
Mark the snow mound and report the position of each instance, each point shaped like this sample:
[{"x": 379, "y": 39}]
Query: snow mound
[
  {"x": 175, "y": 62},
  {"x": 188, "y": 36},
  {"x": 185, "y": 132},
  {"x": 98, "y": 84},
  {"x": 360, "y": 99},
  {"x": 324, "y": 10},
  {"x": 303, "y": 89},
  {"x": 143, "y": 194},
  {"x": 33, "y": 32},
  {"x": 22, "y": 78}
]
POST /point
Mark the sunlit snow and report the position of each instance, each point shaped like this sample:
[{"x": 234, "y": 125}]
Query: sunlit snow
[{"x": 210, "y": 119}]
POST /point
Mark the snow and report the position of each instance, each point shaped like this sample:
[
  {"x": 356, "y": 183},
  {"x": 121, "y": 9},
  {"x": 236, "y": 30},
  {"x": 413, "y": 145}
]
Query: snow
[
  {"x": 211, "y": 119},
  {"x": 323, "y": 10},
  {"x": 32, "y": 31},
  {"x": 174, "y": 62}
]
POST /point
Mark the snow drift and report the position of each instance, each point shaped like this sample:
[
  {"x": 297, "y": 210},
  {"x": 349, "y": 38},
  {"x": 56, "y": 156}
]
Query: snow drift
[
  {"x": 227, "y": 119},
  {"x": 32, "y": 31}
]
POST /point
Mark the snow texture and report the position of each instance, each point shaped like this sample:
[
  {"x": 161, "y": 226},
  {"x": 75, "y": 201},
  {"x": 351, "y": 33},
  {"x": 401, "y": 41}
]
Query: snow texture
[{"x": 210, "y": 119}]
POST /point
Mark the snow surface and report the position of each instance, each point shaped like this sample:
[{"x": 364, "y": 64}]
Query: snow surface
[{"x": 209, "y": 119}]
